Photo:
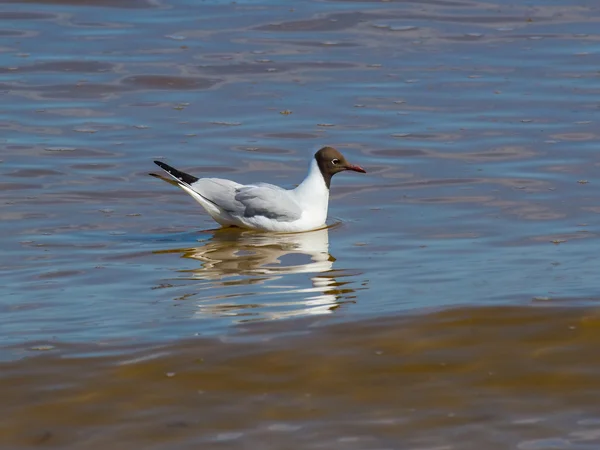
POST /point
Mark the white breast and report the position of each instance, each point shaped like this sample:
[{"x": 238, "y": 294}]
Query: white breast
[{"x": 313, "y": 195}]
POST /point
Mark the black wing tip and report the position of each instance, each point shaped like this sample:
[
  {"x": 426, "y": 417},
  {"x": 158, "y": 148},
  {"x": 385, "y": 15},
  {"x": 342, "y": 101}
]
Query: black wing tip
[{"x": 179, "y": 175}]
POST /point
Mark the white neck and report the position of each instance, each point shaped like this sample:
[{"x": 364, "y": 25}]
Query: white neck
[{"x": 312, "y": 193}]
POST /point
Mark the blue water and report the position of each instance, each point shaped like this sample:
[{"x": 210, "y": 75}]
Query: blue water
[{"x": 477, "y": 124}]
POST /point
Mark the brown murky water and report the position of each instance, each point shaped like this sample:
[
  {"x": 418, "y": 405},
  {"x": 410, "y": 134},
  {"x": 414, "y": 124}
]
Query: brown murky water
[
  {"x": 466, "y": 378},
  {"x": 453, "y": 302}
]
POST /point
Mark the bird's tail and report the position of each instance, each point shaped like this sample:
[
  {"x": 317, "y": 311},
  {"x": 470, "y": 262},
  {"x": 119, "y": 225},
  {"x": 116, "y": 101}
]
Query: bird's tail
[
  {"x": 185, "y": 182},
  {"x": 179, "y": 176}
]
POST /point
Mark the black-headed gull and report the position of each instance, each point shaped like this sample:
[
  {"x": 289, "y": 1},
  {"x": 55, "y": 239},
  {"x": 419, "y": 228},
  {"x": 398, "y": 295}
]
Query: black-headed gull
[{"x": 265, "y": 207}]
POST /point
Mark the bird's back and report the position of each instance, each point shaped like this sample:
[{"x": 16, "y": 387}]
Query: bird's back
[{"x": 219, "y": 191}]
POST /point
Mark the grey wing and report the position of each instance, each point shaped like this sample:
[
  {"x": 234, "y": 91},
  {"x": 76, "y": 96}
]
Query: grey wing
[
  {"x": 220, "y": 192},
  {"x": 268, "y": 201}
]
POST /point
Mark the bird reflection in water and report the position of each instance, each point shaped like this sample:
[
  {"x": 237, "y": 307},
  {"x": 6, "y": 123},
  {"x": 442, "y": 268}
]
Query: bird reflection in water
[{"x": 262, "y": 276}]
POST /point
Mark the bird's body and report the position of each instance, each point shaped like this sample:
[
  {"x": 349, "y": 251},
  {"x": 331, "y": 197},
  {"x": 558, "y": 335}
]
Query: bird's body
[{"x": 266, "y": 207}]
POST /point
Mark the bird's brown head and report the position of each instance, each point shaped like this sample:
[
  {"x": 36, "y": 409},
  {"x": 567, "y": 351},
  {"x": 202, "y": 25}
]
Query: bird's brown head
[{"x": 331, "y": 161}]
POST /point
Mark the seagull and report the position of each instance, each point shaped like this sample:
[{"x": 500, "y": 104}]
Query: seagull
[{"x": 266, "y": 207}]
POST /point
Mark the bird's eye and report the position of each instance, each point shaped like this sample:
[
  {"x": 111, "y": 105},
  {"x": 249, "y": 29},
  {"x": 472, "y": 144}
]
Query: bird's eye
[{"x": 335, "y": 161}]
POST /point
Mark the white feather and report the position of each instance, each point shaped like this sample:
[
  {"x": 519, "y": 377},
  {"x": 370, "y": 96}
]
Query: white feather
[{"x": 264, "y": 206}]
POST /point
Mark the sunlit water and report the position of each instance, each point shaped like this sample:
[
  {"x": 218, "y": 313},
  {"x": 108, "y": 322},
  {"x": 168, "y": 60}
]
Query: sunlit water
[{"x": 473, "y": 237}]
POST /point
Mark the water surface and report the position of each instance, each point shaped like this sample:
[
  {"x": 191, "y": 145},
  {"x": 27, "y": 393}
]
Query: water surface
[{"x": 471, "y": 241}]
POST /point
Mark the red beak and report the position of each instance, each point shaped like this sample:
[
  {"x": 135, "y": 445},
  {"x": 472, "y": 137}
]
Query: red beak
[{"x": 355, "y": 168}]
